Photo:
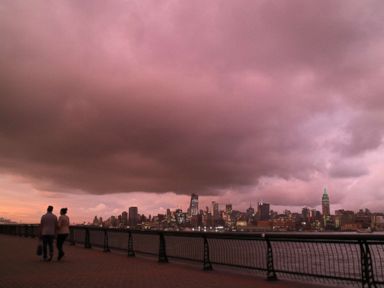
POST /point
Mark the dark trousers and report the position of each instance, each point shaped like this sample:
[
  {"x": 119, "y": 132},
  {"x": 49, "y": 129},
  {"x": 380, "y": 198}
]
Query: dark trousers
[
  {"x": 47, "y": 243},
  {"x": 59, "y": 243}
]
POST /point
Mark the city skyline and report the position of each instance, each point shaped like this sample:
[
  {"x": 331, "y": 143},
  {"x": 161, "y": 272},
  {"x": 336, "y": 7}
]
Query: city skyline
[
  {"x": 206, "y": 205},
  {"x": 324, "y": 208},
  {"x": 132, "y": 103},
  {"x": 255, "y": 219}
]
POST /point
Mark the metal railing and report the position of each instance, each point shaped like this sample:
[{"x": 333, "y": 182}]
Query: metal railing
[{"x": 355, "y": 260}]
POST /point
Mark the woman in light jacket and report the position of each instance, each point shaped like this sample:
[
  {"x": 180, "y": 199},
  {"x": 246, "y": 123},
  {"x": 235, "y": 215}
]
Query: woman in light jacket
[{"x": 62, "y": 231}]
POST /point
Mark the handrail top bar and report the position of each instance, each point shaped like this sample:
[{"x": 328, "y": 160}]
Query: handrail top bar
[
  {"x": 239, "y": 235},
  {"x": 251, "y": 235}
]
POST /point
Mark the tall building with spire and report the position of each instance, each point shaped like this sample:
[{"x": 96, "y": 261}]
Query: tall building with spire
[{"x": 325, "y": 204}]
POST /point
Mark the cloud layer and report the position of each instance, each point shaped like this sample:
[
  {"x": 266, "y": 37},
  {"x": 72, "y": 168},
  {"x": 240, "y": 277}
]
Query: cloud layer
[{"x": 188, "y": 97}]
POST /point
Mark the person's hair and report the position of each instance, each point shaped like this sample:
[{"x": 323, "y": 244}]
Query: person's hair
[
  {"x": 63, "y": 211},
  {"x": 50, "y": 208}
]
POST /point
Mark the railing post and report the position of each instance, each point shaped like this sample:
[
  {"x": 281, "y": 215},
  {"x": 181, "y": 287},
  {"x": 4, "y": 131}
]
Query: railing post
[
  {"x": 207, "y": 266},
  {"x": 87, "y": 241},
  {"x": 32, "y": 231},
  {"x": 106, "y": 244},
  {"x": 72, "y": 237},
  {"x": 367, "y": 277},
  {"x": 131, "y": 251},
  {"x": 162, "y": 249},
  {"x": 26, "y": 231},
  {"x": 271, "y": 274}
]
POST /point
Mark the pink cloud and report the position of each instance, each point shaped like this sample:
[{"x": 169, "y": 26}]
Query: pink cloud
[{"x": 196, "y": 97}]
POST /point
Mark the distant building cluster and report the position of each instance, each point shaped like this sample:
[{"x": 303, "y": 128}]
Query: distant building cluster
[
  {"x": 130, "y": 219},
  {"x": 222, "y": 217},
  {"x": 5, "y": 221}
]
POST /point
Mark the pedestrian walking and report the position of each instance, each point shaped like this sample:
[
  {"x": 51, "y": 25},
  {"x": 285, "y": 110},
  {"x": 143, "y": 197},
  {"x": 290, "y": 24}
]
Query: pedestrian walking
[
  {"x": 48, "y": 226},
  {"x": 62, "y": 232}
]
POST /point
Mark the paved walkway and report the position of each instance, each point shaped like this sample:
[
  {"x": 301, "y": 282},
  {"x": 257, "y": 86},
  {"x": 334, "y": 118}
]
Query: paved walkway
[{"x": 20, "y": 267}]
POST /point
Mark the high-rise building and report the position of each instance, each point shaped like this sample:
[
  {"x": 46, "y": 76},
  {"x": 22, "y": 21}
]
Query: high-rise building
[
  {"x": 180, "y": 216},
  {"x": 207, "y": 219},
  {"x": 124, "y": 218},
  {"x": 113, "y": 221},
  {"x": 169, "y": 215},
  {"x": 215, "y": 212},
  {"x": 194, "y": 205},
  {"x": 250, "y": 211},
  {"x": 133, "y": 216},
  {"x": 263, "y": 211},
  {"x": 306, "y": 213},
  {"x": 228, "y": 209},
  {"x": 228, "y": 214},
  {"x": 325, "y": 204}
]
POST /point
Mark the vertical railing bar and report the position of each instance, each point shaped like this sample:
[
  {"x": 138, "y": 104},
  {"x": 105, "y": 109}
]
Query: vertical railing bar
[
  {"x": 352, "y": 257},
  {"x": 331, "y": 256},
  {"x": 207, "y": 266},
  {"x": 241, "y": 245},
  {"x": 227, "y": 252},
  {"x": 162, "y": 249},
  {"x": 319, "y": 252},
  {"x": 32, "y": 230},
  {"x": 72, "y": 241},
  {"x": 271, "y": 274},
  {"x": 356, "y": 262},
  {"x": 87, "y": 240},
  {"x": 379, "y": 266},
  {"x": 106, "y": 242},
  {"x": 345, "y": 261},
  {"x": 371, "y": 276},
  {"x": 256, "y": 259},
  {"x": 290, "y": 256},
  {"x": 307, "y": 268},
  {"x": 298, "y": 255},
  {"x": 367, "y": 279},
  {"x": 131, "y": 251}
]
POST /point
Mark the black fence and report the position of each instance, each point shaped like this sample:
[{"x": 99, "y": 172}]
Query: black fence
[{"x": 345, "y": 260}]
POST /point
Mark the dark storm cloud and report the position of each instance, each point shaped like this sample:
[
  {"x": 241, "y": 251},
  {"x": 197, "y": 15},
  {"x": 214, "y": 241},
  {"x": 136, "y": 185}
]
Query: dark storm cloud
[{"x": 140, "y": 96}]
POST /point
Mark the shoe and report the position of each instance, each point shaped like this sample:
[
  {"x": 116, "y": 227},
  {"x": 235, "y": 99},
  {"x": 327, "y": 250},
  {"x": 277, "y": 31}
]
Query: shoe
[
  {"x": 61, "y": 255},
  {"x": 50, "y": 258}
]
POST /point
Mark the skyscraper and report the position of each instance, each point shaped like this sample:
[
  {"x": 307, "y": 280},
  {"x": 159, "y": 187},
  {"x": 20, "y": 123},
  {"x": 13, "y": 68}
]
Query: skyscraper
[
  {"x": 124, "y": 218},
  {"x": 215, "y": 212},
  {"x": 228, "y": 213},
  {"x": 263, "y": 211},
  {"x": 325, "y": 204},
  {"x": 250, "y": 211},
  {"x": 133, "y": 216},
  {"x": 228, "y": 209},
  {"x": 194, "y": 205}
]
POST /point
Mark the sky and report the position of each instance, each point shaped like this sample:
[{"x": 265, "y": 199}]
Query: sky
[{"x": 106, "y": 105}]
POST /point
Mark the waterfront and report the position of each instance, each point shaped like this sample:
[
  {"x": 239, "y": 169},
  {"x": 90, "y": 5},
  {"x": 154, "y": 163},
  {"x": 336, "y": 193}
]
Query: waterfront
[
  {"x": 319, "y": 257},
  {"x": 343, "y": 259},
  {"x": 83, "y": 268}
]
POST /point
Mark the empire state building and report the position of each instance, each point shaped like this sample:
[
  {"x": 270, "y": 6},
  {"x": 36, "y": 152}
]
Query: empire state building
[{"x": 325, "y": 204}]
